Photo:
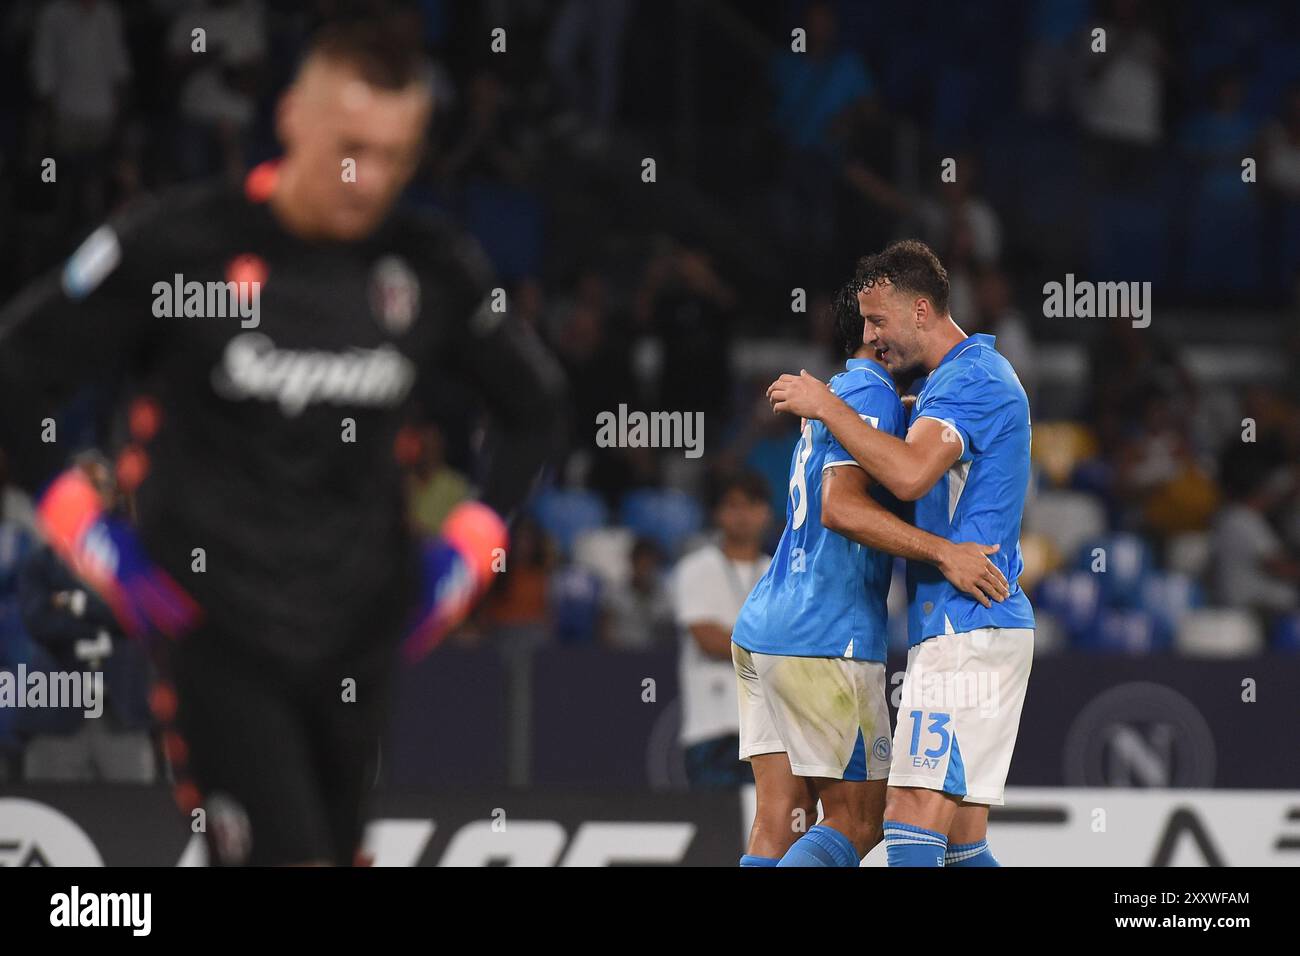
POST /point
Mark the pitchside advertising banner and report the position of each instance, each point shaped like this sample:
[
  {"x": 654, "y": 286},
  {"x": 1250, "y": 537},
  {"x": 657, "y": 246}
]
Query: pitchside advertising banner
[
  {"x": 128, "y": 826},
  {"x": 1088, "y": 721}
]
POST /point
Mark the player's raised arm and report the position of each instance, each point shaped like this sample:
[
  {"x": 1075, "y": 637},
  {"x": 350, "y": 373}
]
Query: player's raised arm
[
  {"x": 907, "y": 468},
  {"x": 848, "y": 509},
  {"x": 522, "y": 386},
  {"x": 79, "y": 323}
]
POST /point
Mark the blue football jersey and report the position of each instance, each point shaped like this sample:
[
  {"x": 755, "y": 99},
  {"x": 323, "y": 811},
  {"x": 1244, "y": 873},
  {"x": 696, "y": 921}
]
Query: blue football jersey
[
  {"x": 982, "y": 496},
  {"x": 824, "y": 595}
]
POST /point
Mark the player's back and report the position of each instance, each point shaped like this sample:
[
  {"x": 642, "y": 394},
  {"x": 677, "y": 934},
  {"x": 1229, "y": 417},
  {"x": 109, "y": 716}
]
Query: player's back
[{"x": 824, "y": 595}]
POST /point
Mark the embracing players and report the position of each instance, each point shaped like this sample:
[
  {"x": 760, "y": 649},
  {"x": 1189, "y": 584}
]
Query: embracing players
[
  {"x": 965, "y": 462},
  {"x": 809, "y": 644}
]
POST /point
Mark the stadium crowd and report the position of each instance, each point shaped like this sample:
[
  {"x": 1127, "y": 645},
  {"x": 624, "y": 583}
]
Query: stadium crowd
[{"x": 774, "y": 170}]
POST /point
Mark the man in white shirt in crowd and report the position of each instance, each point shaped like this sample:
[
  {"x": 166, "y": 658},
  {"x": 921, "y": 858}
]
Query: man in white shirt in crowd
[{"x": 709, "y": 587}]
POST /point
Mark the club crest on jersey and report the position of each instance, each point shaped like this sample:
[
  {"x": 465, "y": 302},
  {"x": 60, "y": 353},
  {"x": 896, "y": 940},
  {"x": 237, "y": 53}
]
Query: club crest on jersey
[{"x": 394, "y": 294}]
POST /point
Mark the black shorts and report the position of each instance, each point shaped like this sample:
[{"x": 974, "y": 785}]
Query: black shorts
[{"x": 281, "y": 757}]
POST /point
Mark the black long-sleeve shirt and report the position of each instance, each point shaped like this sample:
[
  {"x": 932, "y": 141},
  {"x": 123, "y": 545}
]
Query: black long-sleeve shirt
[{"x": 303, "y": 534}]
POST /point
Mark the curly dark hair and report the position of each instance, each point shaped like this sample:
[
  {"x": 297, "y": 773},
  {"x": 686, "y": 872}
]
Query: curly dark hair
[
  {"x": 909, "y": 265},
  {"x": 847, "y": 320}
]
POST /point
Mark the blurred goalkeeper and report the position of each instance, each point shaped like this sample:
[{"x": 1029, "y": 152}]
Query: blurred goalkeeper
[{"x": 282, "y": 332}]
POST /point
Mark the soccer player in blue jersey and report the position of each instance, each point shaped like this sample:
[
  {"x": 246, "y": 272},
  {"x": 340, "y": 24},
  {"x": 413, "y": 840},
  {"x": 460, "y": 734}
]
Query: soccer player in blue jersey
[
  {"x": 965, "y": 462},
  {"x": 809, "y": 644}
]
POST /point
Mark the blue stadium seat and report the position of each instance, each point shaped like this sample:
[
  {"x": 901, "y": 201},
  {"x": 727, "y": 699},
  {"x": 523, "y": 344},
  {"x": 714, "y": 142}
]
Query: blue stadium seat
[
  {"x": 574, "y": 593},
  {"x": 565, "y": 514},
  {"x": 1168, "y": 597},
  {"x": 1073, "y": 598},
  {"x": 1223, "y": 243},
  {"x": 1125, "y": 631},
  {"x": 668, "y": 517},
  {"x": 1128, "y": 239},
  {"x": 1128, "y": 561},
  {"x": 1286, "y": 634}
]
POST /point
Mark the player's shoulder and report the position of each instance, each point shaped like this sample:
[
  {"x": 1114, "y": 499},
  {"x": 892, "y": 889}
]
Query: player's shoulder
[
  {"x": 440, "y": 244},
  {"x": 144, "y": 233},
  {"x": 864, "y": 386},
  {"x": 192, "y": 207},
  {"x": 861, "y": 378}
]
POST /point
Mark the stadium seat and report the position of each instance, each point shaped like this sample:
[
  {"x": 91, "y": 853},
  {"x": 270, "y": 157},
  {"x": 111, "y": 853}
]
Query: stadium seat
[
  {"x": 1069, "y": 518},
  {"x": 667, "y": 516},
  {"x": 1124, "y": 631},
  {"x": 1223, "y": 252},
  {"x": 1286, "y": 634},
  {"x": 565, "y": 514},
  {"x": 606, "y": 552},
  {"x": 574, "y": 594},
  {"x": 1189, "y": 553},
  {"x": 1128, "y": 236},
  {"x": 1169, "y": 597},
  {"x": 1219, "y": 632},
  {"x": 1073, "y": 598},
  {"x": 1128, "y": 561}
]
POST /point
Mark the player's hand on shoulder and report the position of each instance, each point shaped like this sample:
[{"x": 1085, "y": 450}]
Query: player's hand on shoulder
[
  {"x": 803, "y": 395},
  {"x": 966, "y": 565}
]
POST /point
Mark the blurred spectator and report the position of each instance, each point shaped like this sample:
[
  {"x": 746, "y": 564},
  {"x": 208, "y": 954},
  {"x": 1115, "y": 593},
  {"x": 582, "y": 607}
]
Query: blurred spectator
[
  {"x": 80, "y": 69},
  {"x": 689, "y": 308},
  {"x": 1122, "y": 94},
  {"x": 433, "y": 487},
  {"x": 218, "y": 86},
  {"x": 997, "y": 315},
  {"x": 764, "y": 444},
  {"x": 1252, "y": 568},
  {"x": 709, "y": 587},
  {"x": 77, "y": 633},
  {"x": 1124, "y": 364},
  {"x": 517, "y": 610},
  {"x": 1218, "y": 137},
  {"x": 1158, "y": 473},
  {"x": 817, "y": 94},
  {"x": 639, "y": 612},
  {"x": 491, "y": 160},
  {"x": 590, "y": 85},
  {"x": 1280, "y": 161},
  {"x": 1054, "y": 39}
]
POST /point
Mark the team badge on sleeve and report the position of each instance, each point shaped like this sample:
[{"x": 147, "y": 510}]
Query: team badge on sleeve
[{"x": 91, "y": 263}]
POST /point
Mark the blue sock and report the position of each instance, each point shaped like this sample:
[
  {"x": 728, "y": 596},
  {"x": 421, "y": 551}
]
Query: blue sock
[
  {"x": 821, "y": 846},
  {"x": 970, "y": 854},
  {"x": 906, "y": 845},
  {"x": 748, "y": 860}
]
